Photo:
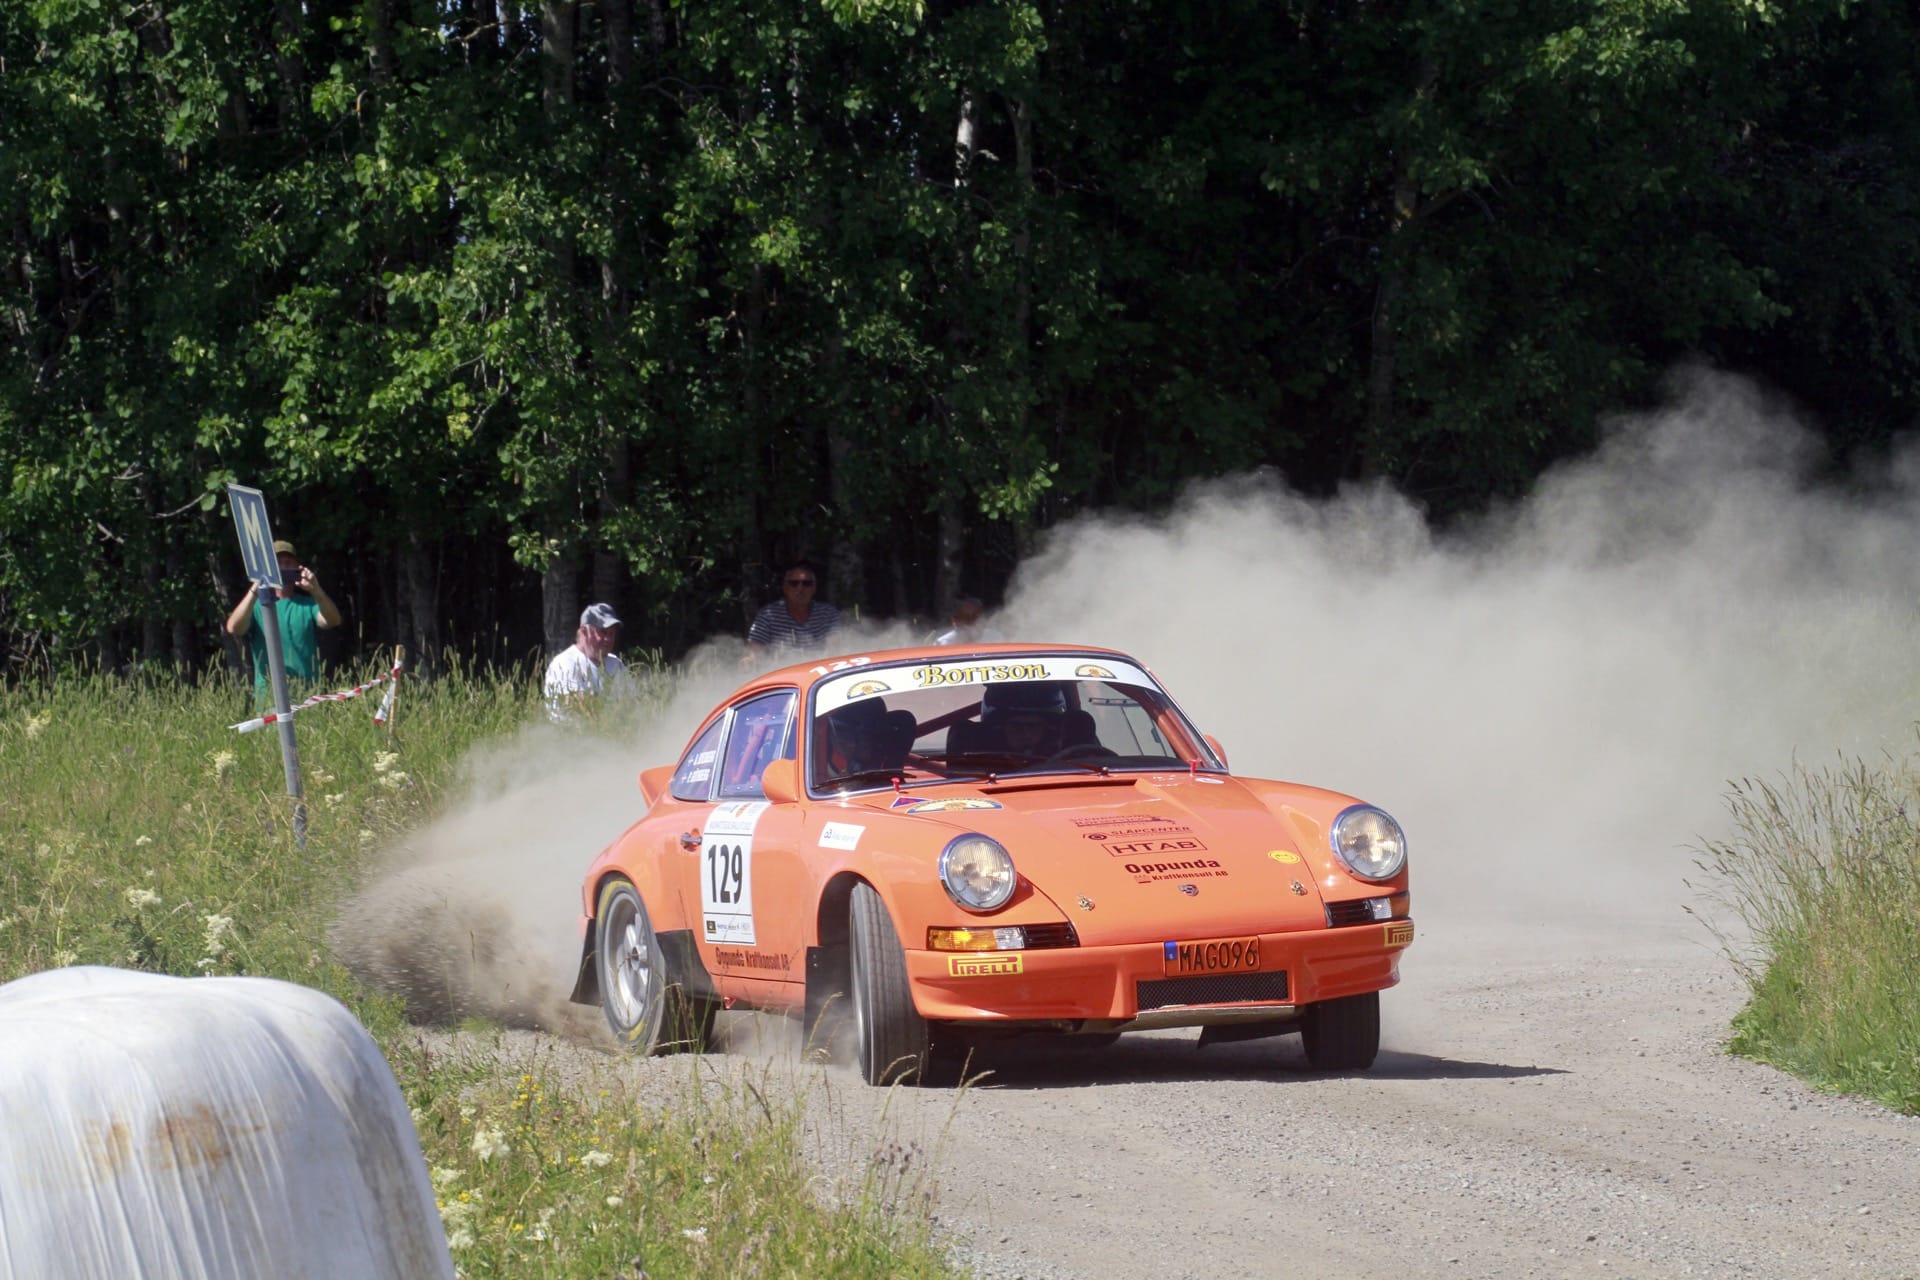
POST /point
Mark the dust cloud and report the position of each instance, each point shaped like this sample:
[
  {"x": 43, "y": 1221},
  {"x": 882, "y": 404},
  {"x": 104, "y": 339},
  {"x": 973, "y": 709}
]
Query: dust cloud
[{"x": 1552, "y": 700}]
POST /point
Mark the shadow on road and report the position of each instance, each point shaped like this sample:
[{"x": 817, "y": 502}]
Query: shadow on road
[{"x": 1039, "y": 1063}]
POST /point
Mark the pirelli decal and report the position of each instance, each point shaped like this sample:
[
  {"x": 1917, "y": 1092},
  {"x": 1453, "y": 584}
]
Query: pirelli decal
[
  {"x": 985, "y": 965},
  {"x": 1400, "y": 933}
]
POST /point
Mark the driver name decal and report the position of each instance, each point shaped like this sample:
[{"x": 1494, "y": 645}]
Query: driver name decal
[
  {"x": 726, "y": 871},
  {"x": 992, "y": 673}
]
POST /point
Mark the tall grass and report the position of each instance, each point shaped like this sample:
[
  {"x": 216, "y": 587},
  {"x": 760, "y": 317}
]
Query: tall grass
[
  {"x": 1823, "y": 875},
  {"x": 138, "y": 830}
]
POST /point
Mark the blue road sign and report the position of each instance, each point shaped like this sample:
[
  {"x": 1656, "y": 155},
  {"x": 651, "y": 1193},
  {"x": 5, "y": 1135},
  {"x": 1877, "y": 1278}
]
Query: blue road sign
[{"x": 256, "y": 535}]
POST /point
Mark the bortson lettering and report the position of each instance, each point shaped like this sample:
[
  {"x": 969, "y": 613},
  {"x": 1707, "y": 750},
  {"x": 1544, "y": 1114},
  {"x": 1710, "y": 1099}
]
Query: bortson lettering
[{"x": 933, "y": 677}]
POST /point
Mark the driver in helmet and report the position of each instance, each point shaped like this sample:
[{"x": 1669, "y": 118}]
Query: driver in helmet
[
  {"x": 1030, "y": 718},
  {"x": 854, "y": 737}
]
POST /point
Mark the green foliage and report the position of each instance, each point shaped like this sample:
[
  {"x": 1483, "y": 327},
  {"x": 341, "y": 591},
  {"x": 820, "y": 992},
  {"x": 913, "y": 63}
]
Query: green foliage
[
  {"x": 686, "y": 288},
  {"x": 1823, "y": 877},
  {"x": 138, "y": 830}
]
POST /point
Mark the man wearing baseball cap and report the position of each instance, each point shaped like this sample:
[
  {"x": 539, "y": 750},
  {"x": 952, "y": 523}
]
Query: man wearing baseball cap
[
  {"x": 587, "y": 668},
  {"x": 303, "y": 609}
]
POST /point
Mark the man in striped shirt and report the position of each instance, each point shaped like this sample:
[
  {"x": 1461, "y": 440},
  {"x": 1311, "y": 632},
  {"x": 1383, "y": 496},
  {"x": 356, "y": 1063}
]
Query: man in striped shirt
[{"x": 796, "y": 621}]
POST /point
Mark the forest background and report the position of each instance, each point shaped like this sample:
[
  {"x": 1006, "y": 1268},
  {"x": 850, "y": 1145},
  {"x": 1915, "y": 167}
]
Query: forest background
[{"x": 508, "y": 306}]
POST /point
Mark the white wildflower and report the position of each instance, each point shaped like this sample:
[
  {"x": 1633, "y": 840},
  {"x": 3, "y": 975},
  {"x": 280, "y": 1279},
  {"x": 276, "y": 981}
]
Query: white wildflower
[
  {"x": 222, "y": 763},
  {"x": 218, "y": 926},
  {"x": 694, "y": 1233},
  {"x": 333, "y": 800},
  {"x": 539, "y": 1229},
  {"x": 596, "y": 1159},
  {"x": 142, "y": 842},
  {"x": 443, "y": 1177},
  {"x": 385, "y": 760},
  {"x": 61, "y": 959},
  {"x": 138, "y": 898},
  {"x": 614, "y": 1202},
  {"x": 36, "y": 724},
  {"x": 321, "y": 778},
  {"x": 490, "y": 1144},
  {"x": 395, "y": 781},
  {"x": 366, "y": 837}
]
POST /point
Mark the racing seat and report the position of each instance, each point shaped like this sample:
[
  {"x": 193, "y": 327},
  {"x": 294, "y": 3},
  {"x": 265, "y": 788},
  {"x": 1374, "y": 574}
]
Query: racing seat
[
  {"x": 1078, "y": 730},
  {"x": 896, "y": 738},
  {"x": 970, "y": 735}
]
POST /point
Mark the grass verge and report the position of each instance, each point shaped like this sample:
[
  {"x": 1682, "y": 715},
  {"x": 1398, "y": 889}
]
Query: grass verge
[
  {"x": 138, "y": 830},
  {"x": 1823, "y": 876}
]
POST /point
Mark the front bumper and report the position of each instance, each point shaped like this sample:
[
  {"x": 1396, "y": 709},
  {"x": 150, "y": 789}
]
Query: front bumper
[{"x": 1104, "y": 983}]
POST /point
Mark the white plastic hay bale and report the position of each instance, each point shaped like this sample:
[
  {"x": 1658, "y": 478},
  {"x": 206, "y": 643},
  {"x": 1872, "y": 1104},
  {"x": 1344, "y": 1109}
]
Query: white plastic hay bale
[{"x": 204, "y": 1129}]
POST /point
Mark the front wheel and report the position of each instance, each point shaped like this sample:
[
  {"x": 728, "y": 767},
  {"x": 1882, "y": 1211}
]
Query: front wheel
[
  {"x": 1343, "y": 1034},
  {"x": 891, "y": 1040},
  {"x": 647, "y": 1014}
]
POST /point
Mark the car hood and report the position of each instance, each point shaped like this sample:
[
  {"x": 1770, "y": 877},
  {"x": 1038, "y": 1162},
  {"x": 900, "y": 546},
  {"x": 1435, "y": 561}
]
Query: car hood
[{"x": 1157, "y": 857}]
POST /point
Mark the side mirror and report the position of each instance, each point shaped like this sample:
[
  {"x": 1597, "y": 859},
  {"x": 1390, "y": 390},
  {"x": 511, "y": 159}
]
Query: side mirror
[
  {"x": 781, "y": 781},
  {"x": 1217, "y": 748}
]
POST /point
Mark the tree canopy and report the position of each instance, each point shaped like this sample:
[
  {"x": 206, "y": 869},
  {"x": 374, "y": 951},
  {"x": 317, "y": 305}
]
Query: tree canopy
[{"x": 507, "y": 306}]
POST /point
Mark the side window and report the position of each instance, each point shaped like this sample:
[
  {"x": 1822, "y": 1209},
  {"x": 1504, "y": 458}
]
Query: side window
[
  {"x": 762, "y": 733},
  {"x": 693, "y": 780}
]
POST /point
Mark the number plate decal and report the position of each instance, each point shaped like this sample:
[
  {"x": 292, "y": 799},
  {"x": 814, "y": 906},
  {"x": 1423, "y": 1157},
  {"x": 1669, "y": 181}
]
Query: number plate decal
[
  {"x": 726, "y": 872},
  {"x": 1219, "y": 955}
]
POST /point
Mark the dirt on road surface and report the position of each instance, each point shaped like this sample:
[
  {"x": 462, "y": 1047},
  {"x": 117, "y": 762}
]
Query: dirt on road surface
[{"x": 1553, "y": 1100}]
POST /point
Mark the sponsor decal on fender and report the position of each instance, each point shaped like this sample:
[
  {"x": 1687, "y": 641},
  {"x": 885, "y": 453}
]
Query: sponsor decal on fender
[
  {"x": 902, "y": 802},
  {"x": 733, "y": 958},
  {"x": 985, "y": 965},
  {"x": 1400, "y": 933},
  {"x": 841, "y": 835},
  {"x": 1287, "y": 856},
  {"x": 954, "y": 806}
]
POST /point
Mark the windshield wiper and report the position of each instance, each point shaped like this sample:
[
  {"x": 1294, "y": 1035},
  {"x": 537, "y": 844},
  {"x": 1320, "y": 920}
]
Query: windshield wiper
[
  {"x": 1016, "y": 760},
  {"x": 897, "y": 777}
]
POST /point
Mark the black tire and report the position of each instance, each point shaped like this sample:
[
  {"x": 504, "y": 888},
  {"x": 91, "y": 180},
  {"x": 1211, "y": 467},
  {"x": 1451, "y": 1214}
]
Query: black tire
[
  {"x": 648, "y": 1014},
  {"x": 891, "y": 1040},
  {"x": 1343, "y": 1034}
]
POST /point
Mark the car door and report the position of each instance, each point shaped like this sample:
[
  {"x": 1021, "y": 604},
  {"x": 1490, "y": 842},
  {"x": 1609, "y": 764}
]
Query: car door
[{"x": 747, "y": 933}]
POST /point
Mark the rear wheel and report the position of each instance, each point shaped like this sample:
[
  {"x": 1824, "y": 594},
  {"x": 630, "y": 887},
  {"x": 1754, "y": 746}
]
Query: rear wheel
[
  {"x": 647, "y": 1014},
  {"x": 891, "y": 1040},
  {"x": 1343, "y": 1034}
]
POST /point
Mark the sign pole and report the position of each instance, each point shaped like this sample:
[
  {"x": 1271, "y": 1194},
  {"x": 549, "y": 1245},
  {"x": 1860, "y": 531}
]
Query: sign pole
[
  {"x": 263, "y": 566},
  {"x": 283, "y": 705}
]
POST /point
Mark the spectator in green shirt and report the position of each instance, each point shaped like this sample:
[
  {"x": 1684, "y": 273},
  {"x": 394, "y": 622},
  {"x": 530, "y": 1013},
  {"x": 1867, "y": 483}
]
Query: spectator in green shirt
[{"x": 304, "y": 609}]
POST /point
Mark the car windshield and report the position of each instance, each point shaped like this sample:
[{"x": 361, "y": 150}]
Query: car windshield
[{"x": 923, "y": 722}]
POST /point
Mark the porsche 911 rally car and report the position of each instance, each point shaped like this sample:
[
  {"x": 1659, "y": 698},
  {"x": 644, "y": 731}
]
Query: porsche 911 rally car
[{"x": 929, "y": 845}]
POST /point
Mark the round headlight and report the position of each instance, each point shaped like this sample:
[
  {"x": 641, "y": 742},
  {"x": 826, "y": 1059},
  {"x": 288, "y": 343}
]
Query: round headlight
[
  {"x": 1370, "y": 842},
  {"x": 977, "y": 872}
]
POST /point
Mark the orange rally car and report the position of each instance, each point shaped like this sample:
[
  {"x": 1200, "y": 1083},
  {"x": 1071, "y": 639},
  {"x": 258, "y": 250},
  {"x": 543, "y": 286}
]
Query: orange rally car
[{"x": 919, "y": 846}]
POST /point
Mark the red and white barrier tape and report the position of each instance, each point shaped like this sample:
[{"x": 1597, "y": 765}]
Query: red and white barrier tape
[{"x": 379, "y": 717}]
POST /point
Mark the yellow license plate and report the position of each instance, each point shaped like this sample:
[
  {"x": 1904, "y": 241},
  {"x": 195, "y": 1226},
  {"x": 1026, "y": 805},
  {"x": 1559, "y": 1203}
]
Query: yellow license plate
[{"x": 1220, "y": 955}]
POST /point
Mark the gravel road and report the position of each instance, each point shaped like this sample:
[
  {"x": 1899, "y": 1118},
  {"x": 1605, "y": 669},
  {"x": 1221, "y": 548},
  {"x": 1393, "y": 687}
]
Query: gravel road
[{"x": 1552, "y": 1101}]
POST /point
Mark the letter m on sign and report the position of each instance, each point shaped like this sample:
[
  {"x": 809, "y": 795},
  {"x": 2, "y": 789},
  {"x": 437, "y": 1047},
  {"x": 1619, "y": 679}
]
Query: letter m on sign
[{"x": 256, "y": 535}]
